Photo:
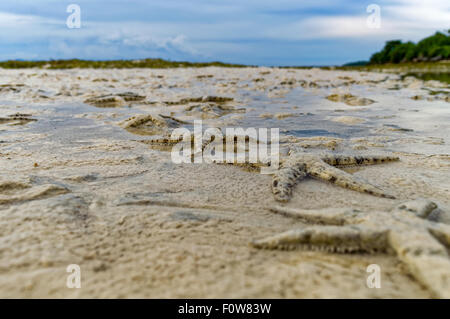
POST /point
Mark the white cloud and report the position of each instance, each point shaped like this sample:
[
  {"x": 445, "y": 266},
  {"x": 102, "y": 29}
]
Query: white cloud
[
  {"x": 218, "y": 29},
  {"x": 16, "y": 20},
  {"x": 409, "y": 20},
  {"x": 92, "y": 38}
]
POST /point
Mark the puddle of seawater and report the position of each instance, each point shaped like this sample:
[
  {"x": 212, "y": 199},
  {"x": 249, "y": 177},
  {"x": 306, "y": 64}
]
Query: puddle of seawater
[
  {"x": 310, "y": 133},
  {"x": 307, "y": 118},
  {"x": 312, "y": 116},
  {"x": 427, "y": 76}
]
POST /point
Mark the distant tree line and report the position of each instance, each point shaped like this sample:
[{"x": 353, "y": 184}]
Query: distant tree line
[
  {"x": 433, "y": 48},
  {"x": 119, "y": 64}
]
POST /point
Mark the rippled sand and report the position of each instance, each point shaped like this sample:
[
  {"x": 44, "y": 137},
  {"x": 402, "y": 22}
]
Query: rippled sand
[{"x": 81, "y": 185}]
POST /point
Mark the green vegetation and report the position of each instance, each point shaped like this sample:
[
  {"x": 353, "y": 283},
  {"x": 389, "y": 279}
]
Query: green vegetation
[
  {"x": 437, "y": 76},
  {"x": 433, "y": 48},
  {"x": 119, "y": 64},
  {"x": 429, "y": 59},
  {"x": 439, "y": 70}
]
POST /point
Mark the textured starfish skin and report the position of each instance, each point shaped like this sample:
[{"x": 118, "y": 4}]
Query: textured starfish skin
[
  {"x": 404, "y": 231},
  {"x": 299, "y": 165},
  {"x": 112, "y": 100}
]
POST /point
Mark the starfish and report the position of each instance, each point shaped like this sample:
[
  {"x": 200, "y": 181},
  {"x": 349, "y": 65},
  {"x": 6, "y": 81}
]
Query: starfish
[
  {"x": 19, "y": 191},
  {"x": 146, "y": 124},
  {"x": 17, "y": 119},
  {"x": 299, "y": 165},
  {"x": 405, "y": 231},
  {"x": 114, "y": 100}
]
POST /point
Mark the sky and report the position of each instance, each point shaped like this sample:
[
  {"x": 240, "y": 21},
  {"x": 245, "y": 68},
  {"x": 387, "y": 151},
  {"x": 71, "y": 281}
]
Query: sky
[{"x": 253, "y": 32}]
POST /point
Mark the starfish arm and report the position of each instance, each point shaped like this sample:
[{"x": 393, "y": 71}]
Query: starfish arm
[
  {"x": 252, "y": 167},
  {"x": 441, "y": 232},
  {"x": 322, "y": 170},
  {"x": 324, "y": 216},
  {"x": 343, "y": 160},
  {"x": 328, "y": 238},
  {"x": 162, "y": 141},
  {"x": 419, "y": 207},
  {"x": 284, "y": 180},
  {"x": 425, "y": 257}
]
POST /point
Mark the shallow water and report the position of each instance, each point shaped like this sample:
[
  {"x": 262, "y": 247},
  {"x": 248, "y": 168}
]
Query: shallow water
[
  {"x": 308, "y": 115},
  {"x": 427, "y": 76}
]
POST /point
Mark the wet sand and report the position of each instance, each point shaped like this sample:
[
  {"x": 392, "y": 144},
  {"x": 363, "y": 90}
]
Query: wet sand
[{"x": 81, "y": 186}]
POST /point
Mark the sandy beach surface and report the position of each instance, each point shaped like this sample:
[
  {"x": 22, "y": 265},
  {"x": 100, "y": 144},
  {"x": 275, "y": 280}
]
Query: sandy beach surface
[{"x": 81, "y": 184}]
